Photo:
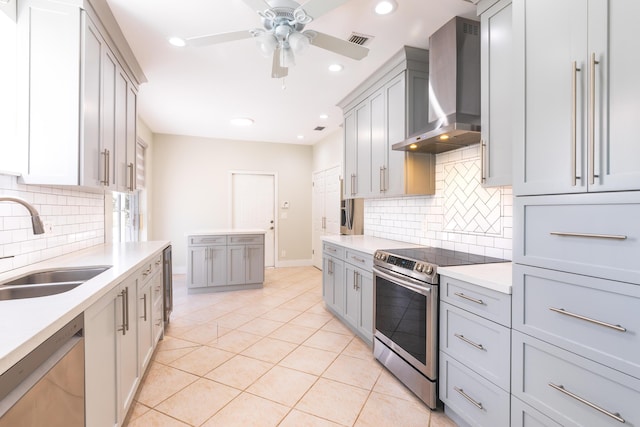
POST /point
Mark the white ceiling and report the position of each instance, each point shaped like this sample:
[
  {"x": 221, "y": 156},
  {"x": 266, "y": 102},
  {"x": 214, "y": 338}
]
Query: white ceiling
[{"x": 196, "y": 91}]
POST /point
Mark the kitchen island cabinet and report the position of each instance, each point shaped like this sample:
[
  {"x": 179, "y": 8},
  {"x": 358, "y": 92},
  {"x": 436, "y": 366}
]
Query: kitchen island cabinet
[{"x": 223, "y": 260}]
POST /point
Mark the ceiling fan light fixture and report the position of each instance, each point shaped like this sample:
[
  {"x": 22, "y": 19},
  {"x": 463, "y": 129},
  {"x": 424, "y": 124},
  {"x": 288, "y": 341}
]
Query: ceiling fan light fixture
[
  {"x": 177, "y": 41},
  {"x": 385, "y": 7},
  {"x": 287, "y": 59},
  {"x": 267, "y": 43},
  {"x": 298, "y": 42}
]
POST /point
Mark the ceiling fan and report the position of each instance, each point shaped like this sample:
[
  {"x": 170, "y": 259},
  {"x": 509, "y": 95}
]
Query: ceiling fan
[{"x": 282, "y": 36}]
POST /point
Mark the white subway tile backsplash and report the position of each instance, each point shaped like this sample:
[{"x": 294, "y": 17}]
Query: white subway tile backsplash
[
  {"x": 462, "y": 215},
  {"x": 74, "y": 220}
]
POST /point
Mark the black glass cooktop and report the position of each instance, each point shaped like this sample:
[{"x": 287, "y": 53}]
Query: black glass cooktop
[{"x": 442, "y": 257}]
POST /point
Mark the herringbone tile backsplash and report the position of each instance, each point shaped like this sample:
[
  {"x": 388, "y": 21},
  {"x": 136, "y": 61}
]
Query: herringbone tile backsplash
[{"x": 462, "y": 215}]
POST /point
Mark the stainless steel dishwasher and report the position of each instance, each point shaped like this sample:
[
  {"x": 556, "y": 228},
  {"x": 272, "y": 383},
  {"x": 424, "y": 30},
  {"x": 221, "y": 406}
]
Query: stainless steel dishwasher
[{"x": 46, "y": 387}]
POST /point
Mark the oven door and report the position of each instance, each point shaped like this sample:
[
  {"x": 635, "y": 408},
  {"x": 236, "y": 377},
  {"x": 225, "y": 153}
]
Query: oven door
[{"x": 406, "y": 318}]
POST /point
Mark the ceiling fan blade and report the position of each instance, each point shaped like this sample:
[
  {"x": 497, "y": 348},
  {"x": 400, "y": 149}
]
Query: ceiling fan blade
[
  {"x": 278, "y": 71},
  {"x": 219, "y": 38},
  {"x": 258, "y": 5},
  {"x": 316, "y": 8},
  {"x": 334, "y": 44}
]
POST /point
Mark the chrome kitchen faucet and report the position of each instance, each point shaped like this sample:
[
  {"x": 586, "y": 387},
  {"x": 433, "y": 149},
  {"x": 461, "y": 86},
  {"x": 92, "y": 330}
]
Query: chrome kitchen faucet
[{"x": 36, "y": 222}]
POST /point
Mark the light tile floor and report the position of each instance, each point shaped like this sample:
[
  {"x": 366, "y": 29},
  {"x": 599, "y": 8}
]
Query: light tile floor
[{"x": 269, "y": 357}]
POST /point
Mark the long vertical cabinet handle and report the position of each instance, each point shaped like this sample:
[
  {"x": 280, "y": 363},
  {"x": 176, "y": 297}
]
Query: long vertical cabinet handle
[
  {"x": 483, "y": 168},
  {"x": 574, "y": 120},
  {"x": 382, "y": 179},
  {"x": 123, "y": 329},
  {"x": 592, "y": 118},
  {"x": 144, "y": 301},
  {"x": 105, "y": 163},
  {"x": 132, "y": 179},
  {"x": 126, "y": 312},
  {"x": 108, "y": 167}
]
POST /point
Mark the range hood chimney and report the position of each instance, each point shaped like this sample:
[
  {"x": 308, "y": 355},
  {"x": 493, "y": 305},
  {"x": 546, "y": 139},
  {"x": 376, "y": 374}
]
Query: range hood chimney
[{"x": 454, "y": 90}]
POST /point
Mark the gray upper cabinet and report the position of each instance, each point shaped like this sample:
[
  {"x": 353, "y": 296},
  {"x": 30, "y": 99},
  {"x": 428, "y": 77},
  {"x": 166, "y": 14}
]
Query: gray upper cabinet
[
  {"x": 577, "y": 99},
  {"x": 496, "y": 92},
  {"x": 78, "y": 110},
  {"x": 383, "y": 110}
]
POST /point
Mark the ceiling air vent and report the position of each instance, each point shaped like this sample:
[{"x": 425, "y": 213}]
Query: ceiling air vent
[
  {"x": 359, "y": 38},
  {"x": 319, "y": 128}
]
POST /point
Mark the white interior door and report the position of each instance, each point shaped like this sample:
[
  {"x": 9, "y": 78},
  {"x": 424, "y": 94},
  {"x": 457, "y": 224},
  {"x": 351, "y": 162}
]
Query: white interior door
[
  {"x": 326, "y": 208},
  {"x": 318, "y": 216},
  {"x": 253, "y": 198}
]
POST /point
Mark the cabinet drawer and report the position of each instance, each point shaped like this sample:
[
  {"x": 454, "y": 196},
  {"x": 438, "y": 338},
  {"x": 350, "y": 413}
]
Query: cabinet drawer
[
  {"x": 333, "y": 250},
  {"x": 480, "y": 344},
  {"x": 470, "y": 396},
  {"x": 523, "y": 415},
  {"x": 359, "y": 259},
  {"x": 484, "y": 302},
  {"x": 244, "y": 239},
  {"x": 595, "y": 235},
  {"x": 572, "y": 390},
  {"x": 595, "y": 318},
  {"x": 207, "y": 240}
]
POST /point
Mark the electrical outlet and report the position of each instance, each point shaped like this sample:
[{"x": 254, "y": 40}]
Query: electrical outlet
[
  {"x": 48, "y": 227},
  {"x": 283, "y": 254}
]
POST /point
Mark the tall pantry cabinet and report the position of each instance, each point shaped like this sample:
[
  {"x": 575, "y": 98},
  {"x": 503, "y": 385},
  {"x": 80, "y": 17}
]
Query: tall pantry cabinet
[{"x": 576, "y": 279}]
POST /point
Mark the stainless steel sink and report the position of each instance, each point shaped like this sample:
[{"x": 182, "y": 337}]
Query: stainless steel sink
[{"x": 48, "y": 282}]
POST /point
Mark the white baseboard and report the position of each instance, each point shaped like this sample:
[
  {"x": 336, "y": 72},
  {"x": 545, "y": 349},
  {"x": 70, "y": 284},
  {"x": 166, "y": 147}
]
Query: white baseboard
[{"x": 294, "y": 263}]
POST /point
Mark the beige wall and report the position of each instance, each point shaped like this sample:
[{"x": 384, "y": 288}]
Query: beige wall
[
  {"x": 190, "y": 189},
  {"x": 327, "y": 152}
]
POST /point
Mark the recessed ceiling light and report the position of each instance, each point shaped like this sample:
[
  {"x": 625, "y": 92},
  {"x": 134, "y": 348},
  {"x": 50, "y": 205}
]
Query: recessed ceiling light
[
  {"x": 242, "y": 121},
  {"x": 324, "y": 116},
  {"x": 385, "y": 7},
  {"x": 335, "y": 68},
  {"x": 300, "y": 136},
  {"x": 177, "y": 41}
]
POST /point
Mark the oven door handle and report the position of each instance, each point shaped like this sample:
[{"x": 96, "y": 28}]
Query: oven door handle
[{"x": 404, "y": 281}]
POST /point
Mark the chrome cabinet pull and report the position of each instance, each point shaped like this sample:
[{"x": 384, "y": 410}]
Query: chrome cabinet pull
[
  {"x": 329, "y": 248},
  {"x": 461, "y": 295},
  {"x": 468, "y": 341},
  {"x": 574, "y": 120},
  {"x": 588, "y": 319},
  {"x": 126, "y": 312},
  {"x": 330, "y": 266},
  {"x": 381, "y": 179},
  {"x": 144, "y": 301},
  {"x": 483, "y": 168},
  {"x": 123, "y": 329},
  {"x": 589, "y": 235},
  {"x": 105, "y": 163},
  {"x": 158, "y": 262},
  {"x": 356, "y": 285},
  {"x": 469, "y": 398},
  {"x": 561, "y": 389},
  {"x": 592, "y": 118},
  {"x": 146, "y": 272},
  {"x": 132, "y": 180},
  {"x": 355, "y": 258}
]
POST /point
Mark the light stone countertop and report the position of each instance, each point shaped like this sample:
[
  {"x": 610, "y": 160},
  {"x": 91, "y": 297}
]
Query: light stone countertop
[
  {"x": 495, "y": 276},
  {"x": 226, "y": 232},
  {"x": 367, "y": 244},
  {"x": 26, "y": 323}
]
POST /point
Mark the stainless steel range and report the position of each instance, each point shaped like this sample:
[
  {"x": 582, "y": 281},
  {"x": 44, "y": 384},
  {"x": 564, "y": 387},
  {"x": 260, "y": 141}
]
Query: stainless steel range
[{"x": 406, "y": 298}]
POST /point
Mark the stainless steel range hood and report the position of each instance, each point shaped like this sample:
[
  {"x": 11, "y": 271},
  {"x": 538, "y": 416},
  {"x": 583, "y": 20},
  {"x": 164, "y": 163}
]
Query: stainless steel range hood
[{"x": 454, "y": 90}]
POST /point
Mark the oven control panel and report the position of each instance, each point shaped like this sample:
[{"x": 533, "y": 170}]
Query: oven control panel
[{"x": 403, "y": 263}]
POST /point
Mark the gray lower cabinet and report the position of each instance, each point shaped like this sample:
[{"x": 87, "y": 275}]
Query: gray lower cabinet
[
  {"x": 570, "y": 389},
  {"x": 224, "y": 262},
  {"x": 475, "y": 353},
  {"x": 347, "y": 283},
  {"x": 523, "y": 415},
  {"x": 333, "y": 286}
]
